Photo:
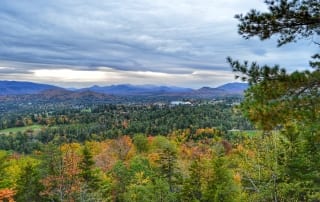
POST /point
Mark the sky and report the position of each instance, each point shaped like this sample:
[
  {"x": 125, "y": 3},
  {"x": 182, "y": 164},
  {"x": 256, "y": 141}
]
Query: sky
[{"x": 163, "y": 42}]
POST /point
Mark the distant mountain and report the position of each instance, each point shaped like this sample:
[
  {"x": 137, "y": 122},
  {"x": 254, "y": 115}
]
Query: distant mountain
[
  {"x": 127, "y": 89},
  {"x": 236, "y": 87},
  {"x": 207, "y": 92},
  {"x": 65, "y": 95},
  {"x": 22, "y": 88},
  {"x": 59, "y": 95},
  {"x": 228, "y": 89},
  {"x": 43, "y": 92}
]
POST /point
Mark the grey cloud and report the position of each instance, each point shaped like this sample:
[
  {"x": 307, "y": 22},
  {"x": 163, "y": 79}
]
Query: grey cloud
[
  {"x": 13, "y": 71},
  {"x": 165, "y": 36}
]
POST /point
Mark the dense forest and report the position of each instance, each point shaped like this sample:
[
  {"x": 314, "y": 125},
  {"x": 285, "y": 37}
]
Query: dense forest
[
  {"x": 24, "y": 133},
  {"x": 202, "y": 152}
]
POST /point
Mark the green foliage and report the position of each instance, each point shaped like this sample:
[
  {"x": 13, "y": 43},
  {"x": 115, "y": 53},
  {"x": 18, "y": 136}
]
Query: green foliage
[
  {"x": 111, "y": 121},
  {"x": 4, "y": 179},
  {"x": 28, "y": 185},
  {"x": 89, "y": 174},
  {"x": 167, "y": 160},
  {"x": 221, "y": 186},
  {"x": 289, "y": 102},
  {"x": 193, "y": 185},
  {"x": 140, "y": 164},
  {"x": 140, "y": 141},
  {"x": 122, "y": 179},
  {"x": 291, "y": 19}
]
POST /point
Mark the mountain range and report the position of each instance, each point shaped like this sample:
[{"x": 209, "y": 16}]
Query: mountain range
[
  {"x": 22, "y": 88},
  {"x": 127, "y": 89},
  {"x": 16, "y": 88}
]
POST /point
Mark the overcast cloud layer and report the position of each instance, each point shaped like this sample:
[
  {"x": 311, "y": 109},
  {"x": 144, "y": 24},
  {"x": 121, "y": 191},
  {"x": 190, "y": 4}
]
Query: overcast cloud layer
[{"x": 163, "y": 42}]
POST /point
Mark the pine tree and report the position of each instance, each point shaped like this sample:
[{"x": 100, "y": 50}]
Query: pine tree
[
  {"x": 277, "y": 99},
  {"x": 28, "y": 185},
  {"x": 88, "y": 173},
  {"x": 221, "y": 185},
  {"x": 192, "y": 187}
]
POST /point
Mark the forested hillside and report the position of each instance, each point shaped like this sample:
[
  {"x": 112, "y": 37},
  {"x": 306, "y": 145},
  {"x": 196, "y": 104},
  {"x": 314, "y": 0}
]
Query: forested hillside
[{"x": 28, "y": 131}]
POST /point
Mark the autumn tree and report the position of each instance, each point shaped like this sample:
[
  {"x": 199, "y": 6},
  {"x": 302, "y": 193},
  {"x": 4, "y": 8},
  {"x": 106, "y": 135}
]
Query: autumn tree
[
  {"x": 61, "y": 165},
  {"x": 121, "y": 146}
]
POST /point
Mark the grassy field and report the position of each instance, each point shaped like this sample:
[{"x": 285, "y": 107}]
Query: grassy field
[
  {"x": 247, "y": 133},
  {"x": 251, "y": 133},
  {"x": 20, "y": 129}
]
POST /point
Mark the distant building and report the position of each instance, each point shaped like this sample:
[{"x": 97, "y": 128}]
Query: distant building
[
  {"x": 214, "y": 101},
  {"x": 159, "y": 104},
  {"x": 175, "y": 103}
]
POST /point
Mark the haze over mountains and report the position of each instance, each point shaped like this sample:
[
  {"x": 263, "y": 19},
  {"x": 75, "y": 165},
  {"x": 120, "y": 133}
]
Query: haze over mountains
[{"x": 16, "y": 88}]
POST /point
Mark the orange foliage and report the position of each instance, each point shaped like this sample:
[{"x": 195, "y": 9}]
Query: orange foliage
[
  {"x": 65, "y": 182},
  {"x": 114, "y": 150},
  {"x": 193, "y": 151},
  {"x": 250, "y": 153},
  {"x": 150, "y": 139},
  {"x": 7, "y": 195},
  {"x": 227, "y": 146},
  {"x": 106, "y": 159},
  {"x": 122, "y": 146},
  {"x": 185, "y": 151},
  {"x": 125, "y": 123},
  {"x": 153, "y": 158}
]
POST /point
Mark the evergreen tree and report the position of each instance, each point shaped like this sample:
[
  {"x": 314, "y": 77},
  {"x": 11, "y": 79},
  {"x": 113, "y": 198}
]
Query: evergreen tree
[
  {"x": 88, "y": 172},
  {"x": 192, "y": 187},
  {"x": 290, "y": 19},
  {"x": 4, "y": 182},
  {"x": 221, "y": 185},
  {"x": 28, "y": 185},
  {"x": 167, "y": 160},
  {"x": 140, "y": 141},
  {"x": 280, "y": 100}
]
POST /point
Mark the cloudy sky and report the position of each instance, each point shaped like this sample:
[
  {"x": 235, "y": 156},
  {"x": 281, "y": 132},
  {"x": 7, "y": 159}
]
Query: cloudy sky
[{"x": 164, "y": 42}]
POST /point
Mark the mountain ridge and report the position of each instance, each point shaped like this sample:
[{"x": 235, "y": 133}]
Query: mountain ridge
[
  {"x": 23, "y": 87},
  {"x": 8, "y": 88}
]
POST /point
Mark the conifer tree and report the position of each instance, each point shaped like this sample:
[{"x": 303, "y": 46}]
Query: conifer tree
[
  {"x": 88, "y": 172},
  {"x": 277, "y": 99},
  {"x": 28, "y": 185}
]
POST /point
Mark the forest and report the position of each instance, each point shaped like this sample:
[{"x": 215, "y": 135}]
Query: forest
[
  {"x": 27, "y": 132},
  {"x": 265, "y": 149},
  {"x": 203, "y": 152}
]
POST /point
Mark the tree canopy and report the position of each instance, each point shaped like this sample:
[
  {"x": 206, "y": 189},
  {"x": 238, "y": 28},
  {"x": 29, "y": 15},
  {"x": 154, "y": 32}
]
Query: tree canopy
[
  {"x": 286, "y": 102},
  {"x": 292, "y": 20},
  {"x": 273, "y": 89}
]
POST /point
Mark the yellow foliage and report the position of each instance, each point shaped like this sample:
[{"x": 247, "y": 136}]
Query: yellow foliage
[
  {"x": 240, "y": 148},
  {"x": 140, "y": 179},
  {"x": 237, "y": 178},
  {"x": 95, "y": 147},
  {"x": 75, "y": 147},
  {"x": 16, "y": 164}
]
